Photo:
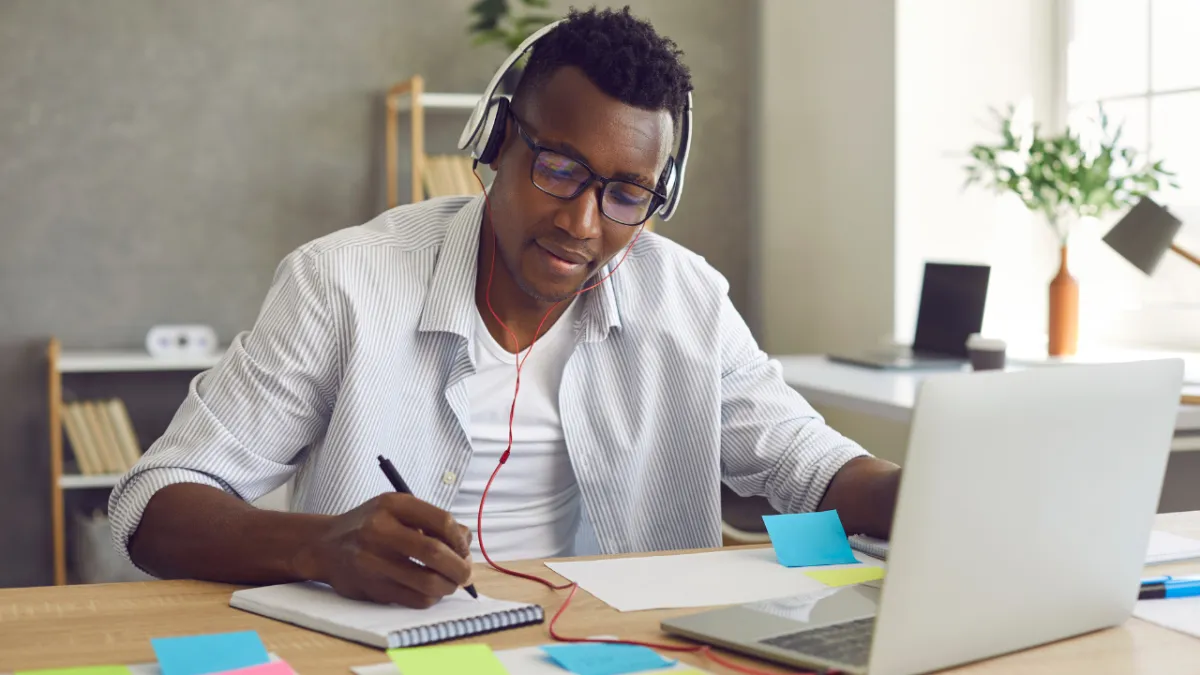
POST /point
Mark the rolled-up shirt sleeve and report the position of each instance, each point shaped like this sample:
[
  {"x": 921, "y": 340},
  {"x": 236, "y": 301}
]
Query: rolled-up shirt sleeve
[
  {"x": 773, "y": 443},
  {"x": 244, "y": 422}
]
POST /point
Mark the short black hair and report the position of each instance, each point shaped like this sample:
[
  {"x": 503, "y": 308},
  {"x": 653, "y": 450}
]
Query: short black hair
[{"x": 621, "y": 54}]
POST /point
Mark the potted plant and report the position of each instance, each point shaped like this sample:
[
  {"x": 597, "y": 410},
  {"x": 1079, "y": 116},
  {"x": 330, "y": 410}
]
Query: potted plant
[
  {"x": 1064, "y": 178},
  {"x": 494, "y": 22}
]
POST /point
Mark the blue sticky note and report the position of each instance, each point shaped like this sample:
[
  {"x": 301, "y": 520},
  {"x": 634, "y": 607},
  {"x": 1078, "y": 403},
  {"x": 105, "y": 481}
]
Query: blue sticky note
[
  {"x": 204, "y": 654},
  {"x": 584, "y": 658},
  {"x": 804, "y": 539}
]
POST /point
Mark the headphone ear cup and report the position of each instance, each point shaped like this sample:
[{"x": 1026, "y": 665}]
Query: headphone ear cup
[
  {"x": 666, "y": 182},
  {"x": 493, "y": 130}
]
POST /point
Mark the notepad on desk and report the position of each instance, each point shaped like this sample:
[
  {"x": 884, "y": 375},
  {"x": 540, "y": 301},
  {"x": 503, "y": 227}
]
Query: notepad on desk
[
  {"x": 317, "y": 607},
  {"x": 1164, "y": 547}
]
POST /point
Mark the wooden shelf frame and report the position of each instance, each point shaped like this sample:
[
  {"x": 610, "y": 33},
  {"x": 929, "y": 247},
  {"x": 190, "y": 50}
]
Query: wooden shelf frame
[
  {"x": 59, "y": 362},
  {"x": 412, "y": 88},
  {"x": 410, "y": 96}
]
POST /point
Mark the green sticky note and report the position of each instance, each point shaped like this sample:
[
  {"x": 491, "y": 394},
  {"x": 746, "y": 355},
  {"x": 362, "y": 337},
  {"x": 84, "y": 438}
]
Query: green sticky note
[
  {"x": 473, "y": 659},
  {"x": 846, "y": 576},
  {"x": 79, "y": 670}
]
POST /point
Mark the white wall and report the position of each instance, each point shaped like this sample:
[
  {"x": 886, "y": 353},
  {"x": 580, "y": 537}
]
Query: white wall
[
  {"x": 826, "y": 174},
  {"x": 865, "y": 113},
  {"x": 954, "y": 60}
]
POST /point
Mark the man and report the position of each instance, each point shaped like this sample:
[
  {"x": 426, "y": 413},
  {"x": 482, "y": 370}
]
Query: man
[{"x": 399, "y": 338}]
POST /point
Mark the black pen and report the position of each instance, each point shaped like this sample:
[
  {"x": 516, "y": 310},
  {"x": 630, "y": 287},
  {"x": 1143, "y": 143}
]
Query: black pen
[{"x": 397, "y": 482}]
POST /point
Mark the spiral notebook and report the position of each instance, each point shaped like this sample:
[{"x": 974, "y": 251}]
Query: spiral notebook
[
  {"x": 876, "y": 548},
  {"x": 317, "y": 607}
]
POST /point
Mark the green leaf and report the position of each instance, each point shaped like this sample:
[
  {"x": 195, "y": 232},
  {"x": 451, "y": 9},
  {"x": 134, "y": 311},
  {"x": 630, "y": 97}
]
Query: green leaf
[{"x": 489, "y": 13}]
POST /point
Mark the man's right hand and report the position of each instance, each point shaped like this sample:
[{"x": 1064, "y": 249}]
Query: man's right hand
[{"x": 368, "y": 553}]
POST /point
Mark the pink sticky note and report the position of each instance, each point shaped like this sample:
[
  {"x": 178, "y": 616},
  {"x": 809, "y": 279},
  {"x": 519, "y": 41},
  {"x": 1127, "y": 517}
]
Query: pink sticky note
[{"x": 273, "y": 668}]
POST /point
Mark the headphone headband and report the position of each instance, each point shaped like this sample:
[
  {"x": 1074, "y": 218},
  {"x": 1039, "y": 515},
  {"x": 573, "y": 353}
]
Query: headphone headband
[
  {"x": 478, "y": 115},
  {"x": 484, "y": 130}
]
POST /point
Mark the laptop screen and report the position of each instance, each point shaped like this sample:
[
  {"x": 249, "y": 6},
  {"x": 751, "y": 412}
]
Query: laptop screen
[{"x": 952, "y": 302}]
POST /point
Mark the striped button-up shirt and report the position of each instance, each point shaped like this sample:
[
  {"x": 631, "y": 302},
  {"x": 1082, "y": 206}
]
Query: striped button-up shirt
[{"x": 362, "y": 346}]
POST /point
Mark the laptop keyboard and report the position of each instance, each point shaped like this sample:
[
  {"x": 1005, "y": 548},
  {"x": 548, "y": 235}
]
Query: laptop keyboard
[{"x": 848, "y": 643}]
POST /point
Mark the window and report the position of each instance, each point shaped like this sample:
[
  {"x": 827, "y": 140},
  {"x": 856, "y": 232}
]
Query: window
[{"x": 1140, "y": 61}]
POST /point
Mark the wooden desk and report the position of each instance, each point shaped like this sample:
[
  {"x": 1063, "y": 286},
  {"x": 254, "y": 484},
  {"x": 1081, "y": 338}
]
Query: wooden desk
[{"x": 113, "y": 623}]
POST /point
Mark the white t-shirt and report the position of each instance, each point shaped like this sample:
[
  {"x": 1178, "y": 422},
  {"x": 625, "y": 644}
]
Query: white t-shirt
[{"x": 532, "y": 510}]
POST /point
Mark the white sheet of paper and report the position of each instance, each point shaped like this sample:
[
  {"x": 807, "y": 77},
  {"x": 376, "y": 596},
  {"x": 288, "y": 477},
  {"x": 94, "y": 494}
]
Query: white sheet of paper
[
  {"x": 1181, "y": 614},
  {"x": 1166, "y": 547},
  {"x": 521, "y": 661},
  {"x": 724, "y": 577}
]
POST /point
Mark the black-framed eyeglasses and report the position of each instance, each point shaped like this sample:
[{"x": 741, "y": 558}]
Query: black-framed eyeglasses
[{"x": 560, "y": 176}]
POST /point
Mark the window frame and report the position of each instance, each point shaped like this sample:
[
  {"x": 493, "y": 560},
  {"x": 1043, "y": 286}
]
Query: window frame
[{"x": 1173, "y": 324}]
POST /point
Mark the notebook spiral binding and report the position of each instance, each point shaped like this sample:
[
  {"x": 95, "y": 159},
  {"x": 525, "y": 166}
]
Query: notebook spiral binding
[
  {"x": 877, "y": 548},
  {"x": 449, "y": 630}
]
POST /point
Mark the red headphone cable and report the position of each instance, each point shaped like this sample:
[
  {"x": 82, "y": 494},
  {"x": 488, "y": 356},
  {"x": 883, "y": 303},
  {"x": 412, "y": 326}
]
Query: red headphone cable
[{"x": 520, "y": 363}]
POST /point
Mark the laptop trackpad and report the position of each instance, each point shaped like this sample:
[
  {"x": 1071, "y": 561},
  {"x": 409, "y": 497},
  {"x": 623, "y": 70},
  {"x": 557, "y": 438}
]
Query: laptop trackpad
[
  {"x": 821, "y": 608},
  {"x": 754, "y": 621}
]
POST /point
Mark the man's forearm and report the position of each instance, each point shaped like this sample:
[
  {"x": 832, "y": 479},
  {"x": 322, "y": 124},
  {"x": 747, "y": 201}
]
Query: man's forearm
[
  {"x": 863, "y": 493},
  {"x": 196, "y": 531}
]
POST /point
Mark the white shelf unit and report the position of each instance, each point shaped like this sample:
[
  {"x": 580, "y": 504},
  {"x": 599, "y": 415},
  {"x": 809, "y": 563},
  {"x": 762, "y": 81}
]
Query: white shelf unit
[
  {"x": 69, "y": 481},
  {"x": 60, "y": 362},
  {"x": 436, "y": 101},
  {"x": 129, "y": 361}
]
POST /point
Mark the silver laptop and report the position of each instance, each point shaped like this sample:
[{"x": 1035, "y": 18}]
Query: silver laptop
[{"x": 1023, "y": 517}]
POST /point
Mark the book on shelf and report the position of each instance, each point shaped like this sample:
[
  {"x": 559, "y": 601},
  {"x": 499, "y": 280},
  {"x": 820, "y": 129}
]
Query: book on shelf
[
  {"x": 449, "y": 175},
  {"x": 106, "y": 440},
  {"x": 78, "y": 436},
  {"x": 131, "y": 448},
  {"x": 101, "y": 436}
]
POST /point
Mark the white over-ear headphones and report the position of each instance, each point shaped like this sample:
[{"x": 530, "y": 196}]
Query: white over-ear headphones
[{"x": 484, "y": 132}]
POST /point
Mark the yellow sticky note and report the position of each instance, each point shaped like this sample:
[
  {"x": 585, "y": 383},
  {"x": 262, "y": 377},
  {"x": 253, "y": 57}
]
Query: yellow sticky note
[
  {"x": 473, "y": 659},
  {"x": 79, "y": 670},
  {"x": 846, "y": 576}
]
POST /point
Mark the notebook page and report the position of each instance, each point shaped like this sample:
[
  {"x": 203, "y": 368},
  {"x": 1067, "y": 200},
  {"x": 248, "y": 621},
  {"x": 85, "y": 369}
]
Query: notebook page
[{"x": 321, "y": 602}]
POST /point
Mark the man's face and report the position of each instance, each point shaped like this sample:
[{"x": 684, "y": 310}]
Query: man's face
[{"x": 551, "y": 245}]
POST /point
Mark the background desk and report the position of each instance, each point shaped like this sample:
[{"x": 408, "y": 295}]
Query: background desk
[
  {"x": 889, "y": 395},
  {"x": 113, "y": 623}
]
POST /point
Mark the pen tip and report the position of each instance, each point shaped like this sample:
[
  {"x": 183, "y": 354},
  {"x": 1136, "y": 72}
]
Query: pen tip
[{"x": 472, "y": 591}]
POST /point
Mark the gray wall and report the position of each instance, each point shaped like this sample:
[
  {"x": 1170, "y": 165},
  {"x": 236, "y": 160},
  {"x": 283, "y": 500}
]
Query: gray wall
[
  {"x": 158, "y": 158},
  {"x": 825, "y": 134}
]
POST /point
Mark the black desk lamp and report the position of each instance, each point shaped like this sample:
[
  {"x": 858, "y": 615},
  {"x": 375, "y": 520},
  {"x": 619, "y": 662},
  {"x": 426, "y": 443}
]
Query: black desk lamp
[{"x": 1143, "y": 237}]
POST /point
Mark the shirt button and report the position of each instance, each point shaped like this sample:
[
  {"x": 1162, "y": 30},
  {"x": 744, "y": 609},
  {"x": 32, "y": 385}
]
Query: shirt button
[{"x": 449, "y": 477}]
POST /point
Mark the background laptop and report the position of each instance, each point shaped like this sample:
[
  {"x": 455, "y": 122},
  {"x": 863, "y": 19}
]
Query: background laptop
[
  {"x": 1006, "y": 535},
  {"x": 950, "y": 310}
]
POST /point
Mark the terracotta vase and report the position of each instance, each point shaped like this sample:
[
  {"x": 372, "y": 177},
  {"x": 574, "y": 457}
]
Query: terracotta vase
[{"x": 1064, "y": 310}]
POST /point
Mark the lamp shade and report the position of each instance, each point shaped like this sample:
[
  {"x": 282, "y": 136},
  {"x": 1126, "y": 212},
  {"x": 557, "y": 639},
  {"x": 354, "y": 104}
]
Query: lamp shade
[{"x": 1144, "y": 235}]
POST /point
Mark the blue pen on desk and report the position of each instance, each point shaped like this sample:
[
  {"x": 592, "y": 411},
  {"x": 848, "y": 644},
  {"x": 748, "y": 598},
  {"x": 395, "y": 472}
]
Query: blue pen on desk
[
  {"x": 398, "y": 483},
  {"x": 1169, "y": 587}
]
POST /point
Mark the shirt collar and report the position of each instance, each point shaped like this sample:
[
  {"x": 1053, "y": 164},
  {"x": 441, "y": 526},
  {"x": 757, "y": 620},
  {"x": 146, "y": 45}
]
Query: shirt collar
[
  {"x": 450, "y": 304},
  {"x": 451, "y": 297},
  {"x": 600, "y": 310}
]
